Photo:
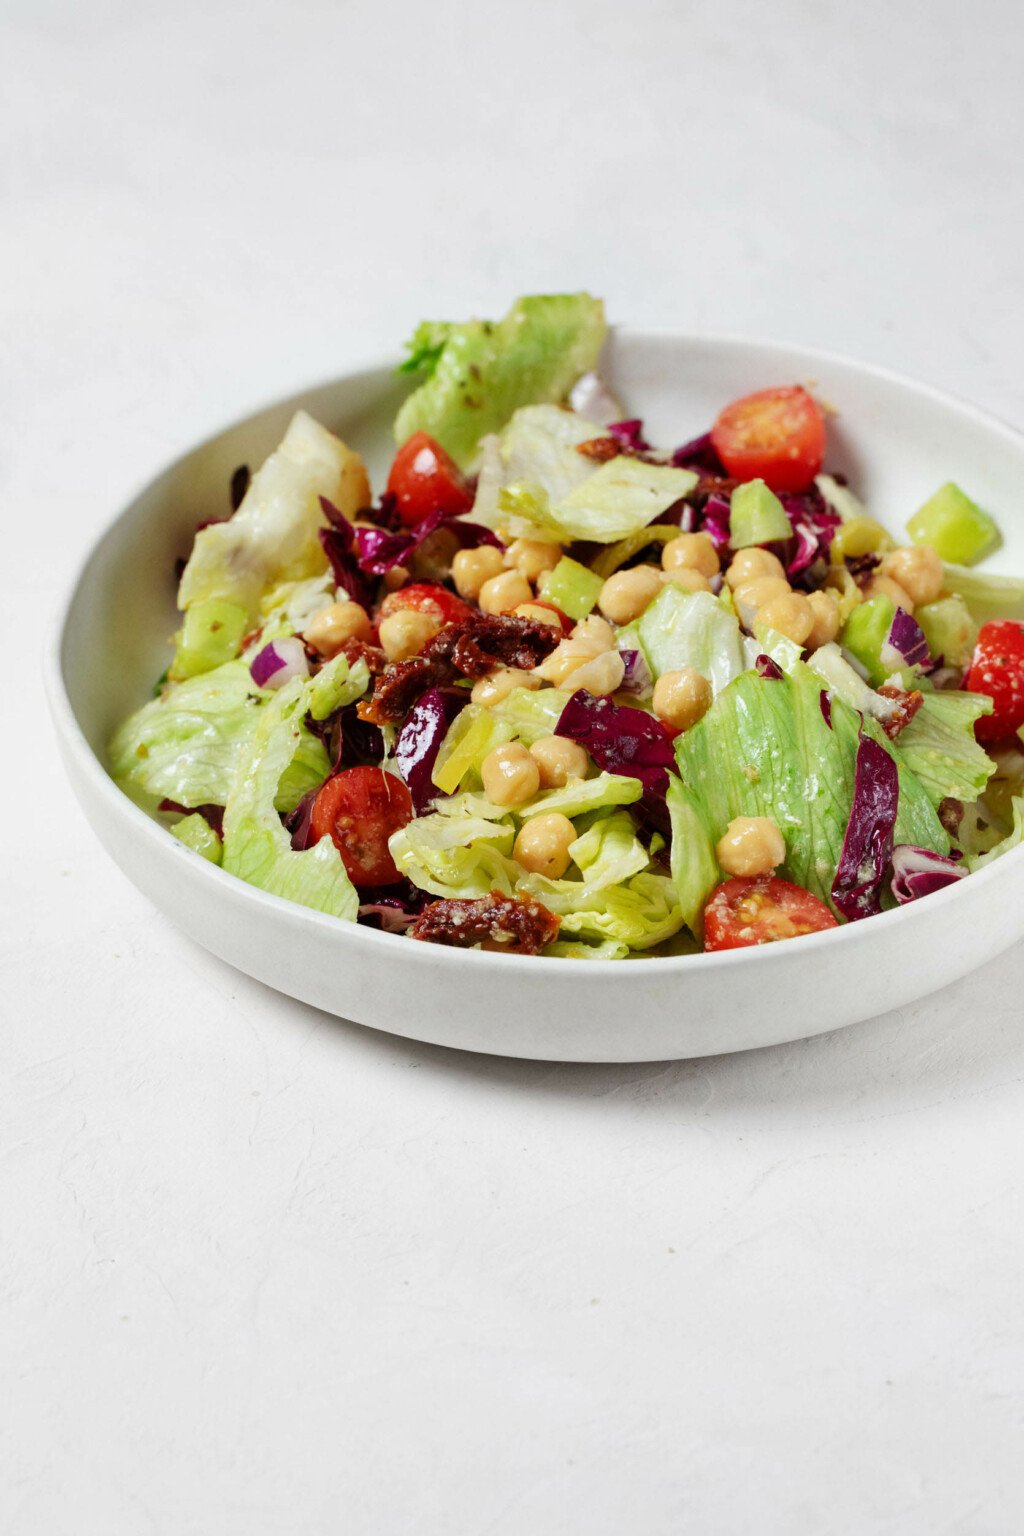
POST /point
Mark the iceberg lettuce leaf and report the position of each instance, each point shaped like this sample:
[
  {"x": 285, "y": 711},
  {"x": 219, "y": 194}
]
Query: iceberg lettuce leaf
[
  {"x": 692, "y": 629},
  {"x": 940, "y": 749}
]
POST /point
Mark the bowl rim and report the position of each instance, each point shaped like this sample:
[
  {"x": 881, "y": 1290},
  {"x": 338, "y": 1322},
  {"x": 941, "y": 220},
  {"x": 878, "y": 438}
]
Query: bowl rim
[{"x": 164, "y": 845}]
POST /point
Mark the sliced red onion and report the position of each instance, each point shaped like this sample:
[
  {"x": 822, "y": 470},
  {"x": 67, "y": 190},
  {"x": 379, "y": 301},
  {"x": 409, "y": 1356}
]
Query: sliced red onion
[
  {"x": 591, "y": 397},
  {"x": 637, "y": 678},
  {"x": 768, "y": 668},
  {"x": 278, "y": 662},
  {"x": 918, "y": 872},
  {"x": 867, "y": 846},
  {"x": 905, "y": 644}
]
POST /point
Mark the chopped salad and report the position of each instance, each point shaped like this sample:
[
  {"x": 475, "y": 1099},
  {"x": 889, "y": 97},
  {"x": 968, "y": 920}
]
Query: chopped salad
[{"x": 558, "y": 691}]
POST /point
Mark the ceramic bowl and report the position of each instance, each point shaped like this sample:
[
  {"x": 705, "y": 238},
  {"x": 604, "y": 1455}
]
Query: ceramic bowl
[{"x": 896, "y": 440}]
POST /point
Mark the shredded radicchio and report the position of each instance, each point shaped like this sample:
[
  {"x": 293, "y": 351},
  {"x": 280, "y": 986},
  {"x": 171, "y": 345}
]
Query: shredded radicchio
[
  {"x": 620, "y": 739},
  {"x": 825, "y": 705},
  {"x": 768, "y": 668},
  {"x": 393, "y": 908},
  {"x": 918, "y": 872},
  {"x": 814, "y": 524},
  {"x": 905, "y": 644},
  {"x": 699, "y": 453},
  {"x": 356, "y": 553},
  {"x": 420, "y": 739},
  {"x": 715, "y": 520},
  {"x": 637, "y": 678},
  {"x": 630, "y": 436},
  {"x": 867, "y": 846},
  {"x": 339, "y": 544},
  {"x": 213, "y": 815}
]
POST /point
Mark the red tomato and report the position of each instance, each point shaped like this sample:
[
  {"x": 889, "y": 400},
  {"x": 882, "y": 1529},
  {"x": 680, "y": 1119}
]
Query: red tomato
[
  {"x": 426, "y": 597},
  {"x": 760, "y": 910},
  {"x": 997, "y": 668},
  {"x": 423, "y": 478},
  {"x": 775, "y": 435},
  {"x": 359, "y": 809}
]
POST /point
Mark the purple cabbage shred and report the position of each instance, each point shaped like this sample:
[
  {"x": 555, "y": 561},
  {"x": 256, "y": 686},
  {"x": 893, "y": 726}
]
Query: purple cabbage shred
[{"x": 867, "y": 846}]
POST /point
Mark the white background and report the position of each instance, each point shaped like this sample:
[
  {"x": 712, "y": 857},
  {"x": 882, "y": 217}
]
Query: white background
[{"x": 265, "y": 1272}]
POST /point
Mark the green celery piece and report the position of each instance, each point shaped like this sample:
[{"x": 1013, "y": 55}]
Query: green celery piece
[
  {"x": 691, "y": 629},
  {"x": 954, "y": 526},
  {"x": 473, "y": 733},
  {"x": 987, "y": 596},
  {"x": 185, "y": 746},
  {"x": 949, "y": 629},
  {"x": 609, "y": 559},
  {"x": 764, "y": 749},
  {"x": 940, "y": 749},
  {"x": 211, "y": 634},
  {"x": 482, "y": 371},
  {"x": 257, "y": 848},
  {"x": 756, "y": 516},
  {"x": 196, "y": 833},
  {"x": 572, "y": 587},
  {"x": 866, "y": 631}
]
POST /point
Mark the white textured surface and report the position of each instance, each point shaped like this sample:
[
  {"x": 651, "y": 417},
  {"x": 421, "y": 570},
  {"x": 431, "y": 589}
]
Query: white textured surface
[{"x": 265, "y": 1273}]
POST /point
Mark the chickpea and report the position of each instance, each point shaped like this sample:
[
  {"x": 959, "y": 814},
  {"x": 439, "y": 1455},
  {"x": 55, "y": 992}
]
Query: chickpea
[
  {"x": 532, "y": 557},
  {"x": 543, "y": 845},
  {"x": 328, "y": 630},
  {"x": 754, "y": 594},
  {"x": 752, "y": 845},
  {"x": 601, "y": 675},
  {"x": 396, "y": 577},
  {"x": 539, "y": 612},
  {"x": 591, "y": 637},
  {"x": 625, "y": 595},
  {"x": 500, "y": 683},
  {"x": 681, "y": 698},
  {"x": 510, "y": 774},
  {"x": 559, "y": 761},
  {"x": 748, "y": 564},
  {"x": 885, "y": 586},
  {"x": 405, "y": 633},
  {"x": 918, "y": 570},
  {"x": 825, "y": 608},
  {"x": 692, "y": 551},
  {"x": 472, "y": 567},
  {"x": 686, "y": 577},
  {"x": 502, "y": 594},
  {"x": 791, "y": 616}
]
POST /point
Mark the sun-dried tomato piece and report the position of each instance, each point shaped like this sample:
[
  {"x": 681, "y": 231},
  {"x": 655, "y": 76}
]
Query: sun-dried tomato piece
[
  {"x": 361, "y": 650},
  {"x": 907, "y": 703},
  {"x": 471, "y": 648},
  {"x": 516, "y": 923}
]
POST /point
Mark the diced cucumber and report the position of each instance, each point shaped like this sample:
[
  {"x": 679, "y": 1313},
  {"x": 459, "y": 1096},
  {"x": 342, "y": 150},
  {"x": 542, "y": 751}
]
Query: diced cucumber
[
  {"x": 196, "y": 833},
  {"x": 866, "y": 631},
  {"x": 572, "y": 587},
  {"x": 955, "y": 526},
  {"x": 211, "y": 634},
  {"x": 859, "y": 536},
  {"x": 756, "y": 516}
]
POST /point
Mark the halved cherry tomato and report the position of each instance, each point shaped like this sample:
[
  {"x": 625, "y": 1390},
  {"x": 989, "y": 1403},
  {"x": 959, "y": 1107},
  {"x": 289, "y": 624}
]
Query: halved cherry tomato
[
  {"x": 997, "y": 668},
  {"x": 426, "y": 597},
  {"x": 775, "y": 435},
  {"x": 761, "y": 909},
  {"x": 423, "y": 477},
  {"x": 359, "y": 809}
]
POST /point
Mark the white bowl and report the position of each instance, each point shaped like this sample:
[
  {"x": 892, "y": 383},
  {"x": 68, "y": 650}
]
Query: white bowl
[{"x": 897, "y": 441}]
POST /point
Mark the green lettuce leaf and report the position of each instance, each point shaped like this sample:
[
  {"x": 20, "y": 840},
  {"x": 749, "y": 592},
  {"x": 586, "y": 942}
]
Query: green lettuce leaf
[
  {"x": 581, "y": 795},
  {"x": 482, "y": 371},
  {"x": 987, "y": 596},
  {"x": 940, "y": 749},
  {"x": 692, "y": 629},
  {"x": 457, "y": 851},
  {"x": 764, "y": 749},
  {"x": 257, "y": 848},
  {"x": 1014, "y": 839},
  {"x": 196, "y": 833},
  {"x": 618, "y": 499},
  {"x": 273, "y": 537},
  {"x": 531, "y": 713},
  {"x": 186, "y": 745},
  {"x": 638, "y": 914}
]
